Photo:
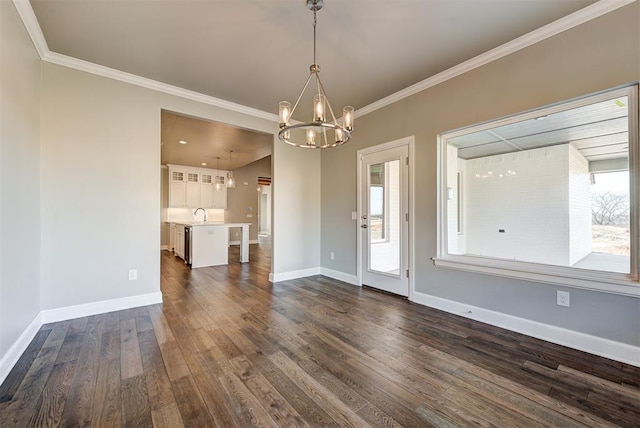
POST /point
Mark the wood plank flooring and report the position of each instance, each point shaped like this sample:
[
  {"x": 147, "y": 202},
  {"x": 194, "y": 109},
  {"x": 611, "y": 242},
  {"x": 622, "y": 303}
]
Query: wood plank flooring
[{"x": 227, "y": 348}]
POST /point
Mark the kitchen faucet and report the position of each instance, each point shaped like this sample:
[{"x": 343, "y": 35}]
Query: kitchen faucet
[{"x": 203, "y": 210}]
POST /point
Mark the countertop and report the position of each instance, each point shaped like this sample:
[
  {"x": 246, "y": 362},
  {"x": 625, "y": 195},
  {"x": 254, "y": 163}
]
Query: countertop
[{"x": 209, "y": 223}]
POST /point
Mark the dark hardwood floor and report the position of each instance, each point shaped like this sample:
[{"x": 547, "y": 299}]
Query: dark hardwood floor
[{"x": 227, "y": 348}]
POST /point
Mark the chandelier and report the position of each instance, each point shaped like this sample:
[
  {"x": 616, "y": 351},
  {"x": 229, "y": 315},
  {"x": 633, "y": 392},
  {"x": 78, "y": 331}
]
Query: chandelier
[{"x": 323, "y": 131}]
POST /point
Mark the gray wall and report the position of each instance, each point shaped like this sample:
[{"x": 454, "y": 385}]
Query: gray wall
[
  {"x": 240, "y": 198},
  {"x": 19, "y": 179},
  {"x": 595, "y": 56},
  {"x": 101, "y": 187}
]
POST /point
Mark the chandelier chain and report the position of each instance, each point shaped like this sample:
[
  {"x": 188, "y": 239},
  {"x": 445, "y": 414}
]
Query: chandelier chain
[{"x": 315, "y": 23}]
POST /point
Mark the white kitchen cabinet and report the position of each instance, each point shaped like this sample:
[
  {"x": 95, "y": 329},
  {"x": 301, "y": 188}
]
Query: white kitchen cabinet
[
  {"x": 172, "y": 236},
  {"x": 192, "y": 190},
  {"x": 179, "y": 244},
  {"x": 210, "y": 246},
  {"x": 177, "y": 188},
  {"x": 207, "y": 188},
  {"x": 191, "y": 187}
]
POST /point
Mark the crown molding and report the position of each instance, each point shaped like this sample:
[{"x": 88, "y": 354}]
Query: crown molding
[
  {"x": 33, "y": 27},
  {"x": 570, "y": 21},
  {"x": 111, "y": 73},
  {"x": 586, "y": 14}
]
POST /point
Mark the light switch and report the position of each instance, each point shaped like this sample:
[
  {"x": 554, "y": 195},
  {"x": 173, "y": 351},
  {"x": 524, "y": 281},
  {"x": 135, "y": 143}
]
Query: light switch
[{"x": 249, "y": 215}]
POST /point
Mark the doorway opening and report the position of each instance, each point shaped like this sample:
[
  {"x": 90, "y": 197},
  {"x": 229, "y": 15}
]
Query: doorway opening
[{"x": 199, "y": 158}]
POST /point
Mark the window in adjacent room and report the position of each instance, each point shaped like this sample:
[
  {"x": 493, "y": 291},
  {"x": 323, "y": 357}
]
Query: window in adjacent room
[{"x": 547, "y": 191}]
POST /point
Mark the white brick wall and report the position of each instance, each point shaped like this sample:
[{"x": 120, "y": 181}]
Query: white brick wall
[
  {"x": 540, "y": 198},
  {"x": 525, "y": 194},
  {"x": 579, "y": 206}
]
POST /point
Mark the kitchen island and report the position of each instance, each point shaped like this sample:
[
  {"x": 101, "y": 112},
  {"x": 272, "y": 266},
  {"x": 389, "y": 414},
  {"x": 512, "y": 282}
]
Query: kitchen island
[{"x": 209, "y": 242}]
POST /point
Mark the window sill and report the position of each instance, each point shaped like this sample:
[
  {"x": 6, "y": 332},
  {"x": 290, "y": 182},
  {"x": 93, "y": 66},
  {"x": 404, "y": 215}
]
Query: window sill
[{"x": 606, "y": 282}]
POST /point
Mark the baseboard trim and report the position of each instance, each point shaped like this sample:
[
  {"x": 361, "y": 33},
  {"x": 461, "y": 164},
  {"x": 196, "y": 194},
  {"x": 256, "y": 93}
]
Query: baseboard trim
[
  {"x": 251, "y": 241},
  {"x": 95, "y": 308},
  {"x": 164, "y": 248},
  {"x": 14, "y": 353},
  {"x": 617, "y": 351},
  {"x": 294, "y": 274},
  {"x": 340, "y": 276},
  {"x": 334, "y": 274},
  {"x": 70, "y": 312}
]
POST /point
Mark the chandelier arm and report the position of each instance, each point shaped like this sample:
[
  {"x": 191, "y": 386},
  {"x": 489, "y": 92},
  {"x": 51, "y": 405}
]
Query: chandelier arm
[
  {"x": 324, "y": 135},
  {"x": 318, "y": 86},
  {"x": 301, "y": 94},
  {"x": 327, "y": 100}
]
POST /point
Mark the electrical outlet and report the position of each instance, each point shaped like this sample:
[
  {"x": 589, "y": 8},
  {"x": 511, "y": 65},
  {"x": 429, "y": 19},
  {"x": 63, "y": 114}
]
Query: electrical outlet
[
  {"x": 133, "y": 274},
  {"x": 563, "y": 298},
  {"x": 333, "y": 256}
]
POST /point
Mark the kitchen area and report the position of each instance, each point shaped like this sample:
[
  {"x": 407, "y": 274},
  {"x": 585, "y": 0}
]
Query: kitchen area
[{"x": 215, "y": 180}]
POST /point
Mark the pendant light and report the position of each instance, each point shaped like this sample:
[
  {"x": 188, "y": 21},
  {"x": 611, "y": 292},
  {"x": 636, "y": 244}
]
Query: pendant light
[
  {"x": 231, "y": 182},
  {"x": 218, "y": 185},
  {"x": 323, "y": 131}
]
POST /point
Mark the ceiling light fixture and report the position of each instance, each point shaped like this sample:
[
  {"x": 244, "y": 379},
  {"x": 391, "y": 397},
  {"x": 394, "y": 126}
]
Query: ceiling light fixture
[
  {"x": 231, "y": 182},
  {"x": 320, "y": 133},
  {"x": 203, "y": 164},
  {"x": 182, "y": 142}
]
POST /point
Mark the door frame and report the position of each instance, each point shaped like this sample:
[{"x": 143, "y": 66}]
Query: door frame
[{"x": 410, "y": 143}]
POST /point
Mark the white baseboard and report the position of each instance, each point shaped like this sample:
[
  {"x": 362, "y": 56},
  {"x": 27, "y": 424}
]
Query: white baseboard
[
  {"x": 95, "y": 308},
  {"x": 584, "y": 342},
  {"x": 14, "y": 353},
  {"x": 340, "y": 276},
  {"x": 164, "y": 248},
  {"x": 251, "y": 241},
  {"x": 294, "y": 274}
]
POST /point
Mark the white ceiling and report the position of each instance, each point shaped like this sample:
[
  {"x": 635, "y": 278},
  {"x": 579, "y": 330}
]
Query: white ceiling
[
  {"x": 207, "y": 140},
  {"x": 599, "y": 131},
  {"x": 257, "y": 52}
]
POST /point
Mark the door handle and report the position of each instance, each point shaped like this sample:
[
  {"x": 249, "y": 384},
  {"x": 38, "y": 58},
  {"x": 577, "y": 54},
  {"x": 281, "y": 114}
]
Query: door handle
[{"x": 364, "y": 226}]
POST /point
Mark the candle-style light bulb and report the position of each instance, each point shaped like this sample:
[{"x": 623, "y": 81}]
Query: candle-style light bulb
[
  {"x": 318, "y": 107},
  {"x": 311, "y": 137},
  {"x": 347, "y": 117},
  {"x": 285, "y": 113}
]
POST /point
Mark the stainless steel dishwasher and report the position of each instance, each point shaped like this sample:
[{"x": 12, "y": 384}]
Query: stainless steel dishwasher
[{"x": 188, "y": 236}]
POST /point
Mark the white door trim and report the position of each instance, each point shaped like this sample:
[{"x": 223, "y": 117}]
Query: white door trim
[{"x": 410, "y": 143}]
